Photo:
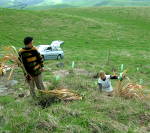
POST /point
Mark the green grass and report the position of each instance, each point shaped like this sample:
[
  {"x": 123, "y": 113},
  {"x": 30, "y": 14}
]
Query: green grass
[{"x": 88, "y": 33}]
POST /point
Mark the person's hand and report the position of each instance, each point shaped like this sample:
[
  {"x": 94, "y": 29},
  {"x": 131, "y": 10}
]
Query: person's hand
[
  {"x": 42, "y": 69},
  {"x": 28, "y": 77}
]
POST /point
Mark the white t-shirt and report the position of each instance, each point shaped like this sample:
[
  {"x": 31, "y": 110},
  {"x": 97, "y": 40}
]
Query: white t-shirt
[{"x": 106, "y": 85}]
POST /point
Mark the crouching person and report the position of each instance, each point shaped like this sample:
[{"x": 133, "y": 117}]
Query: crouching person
[
  {"x": 33, "y": 64},
  {"x": 104, "y": 83}
]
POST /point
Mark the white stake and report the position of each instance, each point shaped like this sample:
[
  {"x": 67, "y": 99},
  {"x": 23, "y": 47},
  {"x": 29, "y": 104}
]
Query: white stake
[
  {"x": 137, "y": 68},
  {"x": 73, "y": 64},
  {"x": 122, "y": 67},
  {"x": 57, "y": 78},
  {"x": 141, "y": 81}
]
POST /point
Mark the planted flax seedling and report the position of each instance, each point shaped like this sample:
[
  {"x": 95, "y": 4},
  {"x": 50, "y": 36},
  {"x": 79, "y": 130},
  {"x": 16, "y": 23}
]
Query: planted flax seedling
[{"x": 55, "y": 83}]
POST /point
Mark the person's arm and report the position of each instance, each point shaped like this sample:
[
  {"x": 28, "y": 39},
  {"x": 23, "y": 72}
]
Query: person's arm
[
  {"x": 100, "y": 87},
  {"x": 113, "y": 77},
  {"x": 39, "y": 59}
]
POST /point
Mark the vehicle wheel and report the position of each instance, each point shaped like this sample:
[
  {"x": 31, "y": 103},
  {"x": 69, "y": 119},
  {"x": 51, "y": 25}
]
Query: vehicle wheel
[{"x": 59, "y": 57}]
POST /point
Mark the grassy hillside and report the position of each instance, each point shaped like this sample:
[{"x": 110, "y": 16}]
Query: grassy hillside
[
  {"x": 44, "y": 4},
  {"x": 89, "y": 34}
]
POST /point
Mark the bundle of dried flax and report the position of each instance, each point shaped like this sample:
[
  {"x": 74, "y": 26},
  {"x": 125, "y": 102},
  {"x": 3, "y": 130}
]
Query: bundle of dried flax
[{"x": 62, "y": 94}]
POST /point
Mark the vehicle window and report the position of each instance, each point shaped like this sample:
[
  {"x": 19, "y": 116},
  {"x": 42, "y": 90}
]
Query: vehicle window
[
  {"x": 59, "y": 49},
  {"x": 49, "y": 48}
]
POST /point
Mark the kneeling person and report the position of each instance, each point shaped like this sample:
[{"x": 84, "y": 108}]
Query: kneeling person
[{"x": 104, "y": 82}]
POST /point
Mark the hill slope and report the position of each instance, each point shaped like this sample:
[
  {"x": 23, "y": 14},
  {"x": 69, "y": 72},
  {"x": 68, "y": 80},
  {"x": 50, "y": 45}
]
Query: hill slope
[
  {"x": 88, "y": 33},
  {"x": 32, "y": 4}
]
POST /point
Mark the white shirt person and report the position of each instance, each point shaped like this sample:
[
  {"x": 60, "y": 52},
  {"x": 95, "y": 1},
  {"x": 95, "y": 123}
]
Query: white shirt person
[{"x": 104, "y": 82}]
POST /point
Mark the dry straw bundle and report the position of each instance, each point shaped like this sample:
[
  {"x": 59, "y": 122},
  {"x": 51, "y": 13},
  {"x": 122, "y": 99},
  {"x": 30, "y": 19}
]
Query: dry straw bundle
[
  {"x": 128, "y": 89},
  {"x": 131, "y": 90},
  {"x": 62, "y": 94},
  {"x": 13, "y": 57},
  {"x": 8, "y": 57}
]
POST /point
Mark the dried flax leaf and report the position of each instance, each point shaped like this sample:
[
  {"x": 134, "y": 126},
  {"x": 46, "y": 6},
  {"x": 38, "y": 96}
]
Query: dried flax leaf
[
  {"x": 63, "y": 94},
  {"x": 13, "y": 56},
  {"x": 130, "y": 90},
  {"x": 11, "y": 72}
]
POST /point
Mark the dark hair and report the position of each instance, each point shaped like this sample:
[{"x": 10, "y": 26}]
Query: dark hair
[{"x": 28, "y": 40}]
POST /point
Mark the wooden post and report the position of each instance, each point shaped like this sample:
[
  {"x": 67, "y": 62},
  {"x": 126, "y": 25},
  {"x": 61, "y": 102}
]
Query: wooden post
[{"x": 108, "y": 57}]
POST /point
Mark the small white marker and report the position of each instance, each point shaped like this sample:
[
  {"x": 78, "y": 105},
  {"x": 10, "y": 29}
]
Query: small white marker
[
  {"x": 57, "y": 77},
  {"x": 137, "y": 68},
  {"x": 122, "y": 67},
  {"x": 141, "y": 81},
  {"x": 73, "y": 64}
]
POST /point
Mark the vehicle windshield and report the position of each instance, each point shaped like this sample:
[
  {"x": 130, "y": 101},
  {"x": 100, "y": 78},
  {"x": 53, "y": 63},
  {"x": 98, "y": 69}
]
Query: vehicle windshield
[
  {"x": 49, "y": 48},
  {"x": 40, "y": 48},
  {"x": 44, "y": 48}
]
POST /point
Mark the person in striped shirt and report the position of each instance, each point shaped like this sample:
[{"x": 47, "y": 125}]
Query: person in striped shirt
[{"x": 33, "y": 64}]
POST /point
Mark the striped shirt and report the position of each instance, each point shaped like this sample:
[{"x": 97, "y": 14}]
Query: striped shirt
[{"x": 32, "y": 60}]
